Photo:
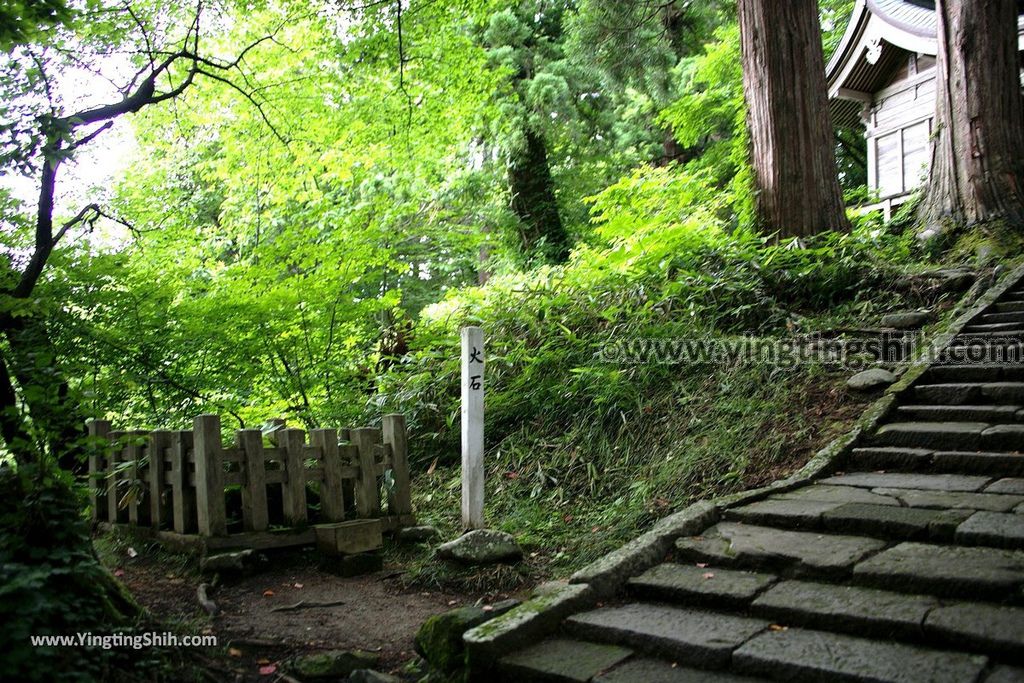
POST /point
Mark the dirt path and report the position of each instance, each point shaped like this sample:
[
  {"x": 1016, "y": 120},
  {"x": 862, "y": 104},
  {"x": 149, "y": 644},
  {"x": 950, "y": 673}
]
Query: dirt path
[{"x": 377, "y": 615}]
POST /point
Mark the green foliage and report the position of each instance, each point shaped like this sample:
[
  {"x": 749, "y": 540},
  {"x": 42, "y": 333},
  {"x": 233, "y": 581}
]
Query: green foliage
[{"x": 52, "y": 584}]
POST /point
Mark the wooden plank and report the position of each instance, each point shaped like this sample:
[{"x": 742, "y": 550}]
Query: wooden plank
[
  {"x": 99, "y": 443},
  {"x": 159, "y": 442},
  {"x": 255, "y": 516},
  {"x": 395, "y": 437},
  {"x": 132, "y": 454},
  {"x": 293, "y": 490},
  {"x": 368, "y": 492},
  {"x": 263, "y": 540},
  {"x": 332, "y": 498},
  {"x": 183, "y": 495},
  {"x": 114, "y": 456},
  {"x": 210, "y": 508}
]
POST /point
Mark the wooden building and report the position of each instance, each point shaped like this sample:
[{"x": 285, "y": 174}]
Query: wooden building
[{"x": 882, "y": 76}]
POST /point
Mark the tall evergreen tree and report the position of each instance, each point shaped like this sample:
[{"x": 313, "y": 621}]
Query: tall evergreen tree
[
  {"x": 977, "y": 171},
  {"x": 791, "y": 135}
]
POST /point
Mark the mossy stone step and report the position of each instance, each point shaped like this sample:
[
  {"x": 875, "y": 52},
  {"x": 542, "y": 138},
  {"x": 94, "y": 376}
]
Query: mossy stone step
[
  {"x": 948, "y": 435},
  {"x": 971, "y": 393},
  {"x": 999, "y": 529},
  {"x": 658, "y": 671},
  {"x": 954, "y": 500},
  {"x": 980, "y": 627},
  {"x": 1008, "y": 306},
  {"x": 847, "y": 609},
  {"x": 992, "y": 414},
  {"x": 805, "y": 655},
  {"x": 706, "y": 639},
  {"x": 562, "y": 659},
  {"x": 698, "y": 585},
  {"x": 949, "y": 571},
  {"x": 974, "y": 373},
  {"x": 836, "y": 494},
  {"x": 1000, "y": 317},
  {"x": 759, "y": 547},
  {"x": 898, "y": 480}
]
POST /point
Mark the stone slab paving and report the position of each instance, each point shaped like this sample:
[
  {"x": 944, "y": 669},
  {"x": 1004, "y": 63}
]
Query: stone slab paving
[
  {"x": 655, "y": 671},
  {"x": 562, "y": 659},
  {"x": 839, "y": 494},
  {"x": 979, "y": 462},
  {"x": 888, "y": 522},
  {"x": 818, "y": 656},
  {"x": 946, "y": 570},
  {"x": 798, "y": 513},
  {"x": 980, "y": 626},
  {"x": 747, "y": 545},
  {"x": 1009, "y": 485},
  {"x": 952, "y": 435},
  {"x": 1005, "y": 674},
  {"x": 1000, "y": 529},
  {"x": 704, "y": 638},
  {"x": 896, "y": 480},
  {"x": 846, "y": 608},
  {"x": 991, "y": 502},
  {"x": 700, "y": 584}
]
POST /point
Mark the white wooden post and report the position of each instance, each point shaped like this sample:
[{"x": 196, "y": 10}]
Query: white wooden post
[{"x": 472, "y": 428}]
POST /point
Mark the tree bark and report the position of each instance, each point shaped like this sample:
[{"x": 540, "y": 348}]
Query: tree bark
[
  {"x": 791, "y": 136},
  {"x": 534, "y": 202},
  {"x": 978, "y": 155}
]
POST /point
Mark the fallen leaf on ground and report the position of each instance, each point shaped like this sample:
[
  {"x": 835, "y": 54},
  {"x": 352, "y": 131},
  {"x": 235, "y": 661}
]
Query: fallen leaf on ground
[
  {"x": 234, "y": 652},
  {"x": 268, "y": 593},
  {"x": 708, "y": 575},
  {"x": 118, "y": 572},
  {"x": 297, "y": 585},
  {"x": 268, "y": 669}
]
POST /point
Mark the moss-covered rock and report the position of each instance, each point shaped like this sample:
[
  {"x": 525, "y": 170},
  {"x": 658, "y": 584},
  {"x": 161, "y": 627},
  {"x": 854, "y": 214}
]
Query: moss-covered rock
[
  {"x": 332, "y": 664},
  {"x": 439, "y": 640}
]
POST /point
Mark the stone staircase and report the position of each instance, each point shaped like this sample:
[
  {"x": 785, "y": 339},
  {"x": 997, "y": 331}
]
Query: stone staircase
[{"x": 906, "y": 566}]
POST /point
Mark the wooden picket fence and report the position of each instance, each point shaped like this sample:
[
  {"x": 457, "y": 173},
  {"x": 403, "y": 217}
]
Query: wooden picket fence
[{"x": 175, "y": 485}]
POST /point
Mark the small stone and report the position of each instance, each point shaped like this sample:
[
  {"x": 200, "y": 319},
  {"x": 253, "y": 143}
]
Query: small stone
[
  {"x": 906, "y": 320},
  {"x": 870, "y": 380},
  {"x": 439, "y": 639},
  {"x": 332, "y": 664},
  {"x": 482, "y": 546},
  {"x": 238, "y": 562},
  {"x": 563, "y": 660},
  {"x": 371, "y": 676},
  {"x": 418, "y": 534}
]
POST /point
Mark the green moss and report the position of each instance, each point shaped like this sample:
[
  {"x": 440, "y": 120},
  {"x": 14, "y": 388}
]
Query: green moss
[{"x": 439, "y": 640}]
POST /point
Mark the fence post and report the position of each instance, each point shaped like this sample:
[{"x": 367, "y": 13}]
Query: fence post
[
  {"x": 159, "y": 442},
  {"x": 368, "y": 498},
  {"x": 114, "y": 453},
  {"x": 99, "y": 435},
  {"x": 254, "y": 480},
  {"x": 400, "y": 497},
  {"x": 211, "y": 512},
  {"x": 293, "y": 491},
  {"x": 183, "y": 496},
  {"x": 332, "y": 500}
]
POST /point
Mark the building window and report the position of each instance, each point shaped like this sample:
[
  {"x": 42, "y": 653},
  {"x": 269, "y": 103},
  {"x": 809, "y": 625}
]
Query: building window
[{"x": 902, "y": 159}]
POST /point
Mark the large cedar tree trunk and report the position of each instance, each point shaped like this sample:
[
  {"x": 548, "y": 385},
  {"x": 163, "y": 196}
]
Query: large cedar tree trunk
[
  {"x": 534, "y": 202},
  {"x": 791, "y": 136},
  {"x": 978, "y": 155}
]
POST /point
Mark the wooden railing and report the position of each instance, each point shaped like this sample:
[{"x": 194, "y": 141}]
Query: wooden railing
[{"x": 181, "y": 485}]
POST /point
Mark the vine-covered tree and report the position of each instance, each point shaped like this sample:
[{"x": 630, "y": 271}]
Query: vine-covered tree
[
  {"x": 791, "y": 137},
  {"x": 977, "y": 171}
]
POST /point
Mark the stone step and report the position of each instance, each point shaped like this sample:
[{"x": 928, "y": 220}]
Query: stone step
[
  {"x": 561, "y": 659},
  {"x": 999, "y": 317},
  {"x": 973, "y": 373},
  {"x": 804, "y": 655},
  {"x": 800, "y": 553},
  {"x": 693, "y": 585},
  {"x": 998, "y": 529},
  {"x": 689, "y": 636},
  {"x": 877, "y": 521},
  {"x": 1008, "y": 306},
  {"x": 970, "y": 393},
  {"x": 1014, "y": 328},
  {"x": 646, "y": 670},
  {"x": 950, "y": 435},
  {"x": 925, "y": 460},
  {"x": 923, "y": 482},
  {"x": 992, "y": 414},
  {"x": 946, "y": 571}
]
